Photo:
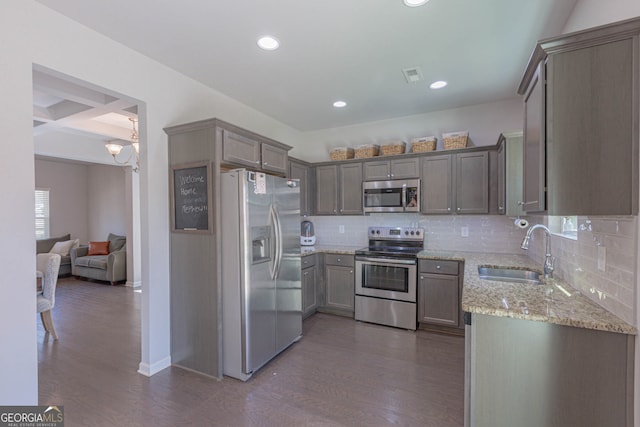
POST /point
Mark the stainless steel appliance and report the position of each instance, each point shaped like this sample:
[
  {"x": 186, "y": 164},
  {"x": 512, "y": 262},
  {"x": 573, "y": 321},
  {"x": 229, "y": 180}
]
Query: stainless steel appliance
[
  {"x": 391, "y": 196},
  {"x": 386, "y": 276},
  {"x": 307, "y": 235},
  {"x": 261, "y": 288}
]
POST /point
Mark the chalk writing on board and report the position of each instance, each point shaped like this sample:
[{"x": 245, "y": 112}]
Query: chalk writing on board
[{"x": 191, "y": 201}]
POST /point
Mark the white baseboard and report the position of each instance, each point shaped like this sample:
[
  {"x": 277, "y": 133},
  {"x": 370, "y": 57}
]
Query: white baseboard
[
  {"x": 149, "y": 370},
  {"x": 134, "y": 284}
]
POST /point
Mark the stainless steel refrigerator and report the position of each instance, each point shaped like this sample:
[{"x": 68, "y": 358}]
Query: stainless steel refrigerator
[{"x": 261, "y": 288}]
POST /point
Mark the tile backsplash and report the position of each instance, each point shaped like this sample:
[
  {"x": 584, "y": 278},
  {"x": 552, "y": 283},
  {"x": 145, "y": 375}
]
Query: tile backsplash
[
  {"x": 486, "y": 233},
  {"x": 601, "y": 263}
]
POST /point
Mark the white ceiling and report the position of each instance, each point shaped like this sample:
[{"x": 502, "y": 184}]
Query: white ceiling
[{"x": 353, "y": 50}]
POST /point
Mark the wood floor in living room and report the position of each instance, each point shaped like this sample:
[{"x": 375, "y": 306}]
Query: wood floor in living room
[{"x": 341, "y": 372}]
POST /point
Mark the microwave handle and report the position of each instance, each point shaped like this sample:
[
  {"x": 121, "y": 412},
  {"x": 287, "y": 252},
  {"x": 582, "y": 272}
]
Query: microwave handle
[{"x": 404, "y": 197}]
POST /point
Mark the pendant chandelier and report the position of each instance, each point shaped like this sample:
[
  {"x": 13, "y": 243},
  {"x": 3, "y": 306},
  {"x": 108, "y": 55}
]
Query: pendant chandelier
[{"x": 114, "y": 148}]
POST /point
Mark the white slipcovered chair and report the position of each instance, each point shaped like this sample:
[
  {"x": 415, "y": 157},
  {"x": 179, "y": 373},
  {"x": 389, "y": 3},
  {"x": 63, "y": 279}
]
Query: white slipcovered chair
[{"x": 49, "y": 265}]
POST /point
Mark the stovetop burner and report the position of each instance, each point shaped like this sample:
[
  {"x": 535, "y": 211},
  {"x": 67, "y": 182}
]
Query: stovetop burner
[{"x": 403, "y": 242}]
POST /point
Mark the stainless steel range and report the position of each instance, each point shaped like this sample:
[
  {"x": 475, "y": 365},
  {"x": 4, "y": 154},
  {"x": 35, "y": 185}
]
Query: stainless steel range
[{"x": 386, "y": 273}]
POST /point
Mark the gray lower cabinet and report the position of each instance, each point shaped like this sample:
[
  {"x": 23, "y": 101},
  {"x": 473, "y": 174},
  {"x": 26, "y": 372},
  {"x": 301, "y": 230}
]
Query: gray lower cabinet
[
  {"x": 339, "y": 189},
  {"x": 309, "y": 285},
  {"x": 455, "y": 183},
  {"x": 530, "y": 373},
  {"x": 439, "y": 293},
  {"x": 391, "y": 169},
  {"x": 252, "y": 152},
  {"x": 339, "y": 284},
  {"x": 301, "y": 171}
]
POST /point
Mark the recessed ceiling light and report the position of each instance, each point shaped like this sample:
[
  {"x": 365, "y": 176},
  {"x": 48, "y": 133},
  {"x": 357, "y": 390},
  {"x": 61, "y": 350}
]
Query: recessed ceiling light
[
  {"x": 438, "y": 85},
  {"x": 415, "y": 3},
  {"x": 268, "y": 43},
  {"x": 339, "y": 104}
]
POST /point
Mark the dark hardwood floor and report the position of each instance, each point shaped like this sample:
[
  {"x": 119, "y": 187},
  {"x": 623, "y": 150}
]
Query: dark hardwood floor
[{"x": 341, "y": 373}]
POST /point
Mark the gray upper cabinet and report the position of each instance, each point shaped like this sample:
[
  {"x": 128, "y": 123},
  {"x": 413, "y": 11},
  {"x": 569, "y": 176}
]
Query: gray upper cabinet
[
  {"x": 472, "y": 182},
  {"x": 299, "y": 170},
  {"x": 351, "y": 189},
  {"x": 436, "y": 186},
  {"x": 253, "y": 152},
  {"x": 589, "y": 119},
  {"x": 455, "y": 183},
  {"x": 326, "y": 190},
  {"x": 534, "y": 176},
  {"x": 339, "y": 189},
  {"x": 510, "y": 174},
  {"x": 391, "y": 169}
]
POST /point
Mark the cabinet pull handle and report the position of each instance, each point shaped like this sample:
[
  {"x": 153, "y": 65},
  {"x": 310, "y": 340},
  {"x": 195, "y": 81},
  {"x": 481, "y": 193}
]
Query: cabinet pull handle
[
  {"x": 520, "y": 203},
  {"x": 437, "y": 267},
  {"x": 306, "y": 273},
  {"x": 500, "y": 207},
  {"x": 351, "y": 272},
  {"x": 448, "y": 209},
  {"x": 265, "y": 164},
  {"x": 458, "y": 209},
  {"x": 257, "y": 162},
  {"x": 421, "y": 277},
  {"x": 391, "y": 175},
  {"x": 339, "y": 260}
]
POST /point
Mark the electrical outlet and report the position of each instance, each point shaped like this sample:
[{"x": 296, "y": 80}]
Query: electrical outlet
[
  {"x": 341, "y": 229},
  {"x": 464, "y": 231},
  {"x": 602, "y": 258}
]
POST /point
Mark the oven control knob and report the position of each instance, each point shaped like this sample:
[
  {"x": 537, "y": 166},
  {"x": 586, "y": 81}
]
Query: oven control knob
[
  {"x": 406, "y": 233},
  {"x": 413, "y": 233},
  {"x": 377, "y": 231},
  {"x": 373, "y": 231},
  {"x": 417, "y": 232}
]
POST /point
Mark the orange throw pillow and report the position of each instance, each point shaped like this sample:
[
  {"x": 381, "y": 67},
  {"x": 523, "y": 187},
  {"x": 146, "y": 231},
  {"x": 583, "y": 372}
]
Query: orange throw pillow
[{"x": 98, "y": 248}]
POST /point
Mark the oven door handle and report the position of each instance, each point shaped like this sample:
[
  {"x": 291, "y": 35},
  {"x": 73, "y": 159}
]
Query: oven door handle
[{"x": 387, "y": 260}]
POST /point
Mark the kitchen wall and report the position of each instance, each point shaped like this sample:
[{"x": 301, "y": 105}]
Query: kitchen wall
[
  {"x": 486, "y": 233},
  {"x": 610, "y": 283},
  {"x": 484, "y": 122}
]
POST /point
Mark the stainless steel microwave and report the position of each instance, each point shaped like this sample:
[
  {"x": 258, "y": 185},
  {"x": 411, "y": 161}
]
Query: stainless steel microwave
[{"x": 400, "y": 195}]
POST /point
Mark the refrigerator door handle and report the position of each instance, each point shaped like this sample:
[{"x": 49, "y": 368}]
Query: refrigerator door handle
[{"x": 277, "y": 233}]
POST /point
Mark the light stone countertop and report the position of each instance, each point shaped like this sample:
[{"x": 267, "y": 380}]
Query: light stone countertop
[
  {"x": 555, "y": 301},
  {"x": 329, "y": 249}
]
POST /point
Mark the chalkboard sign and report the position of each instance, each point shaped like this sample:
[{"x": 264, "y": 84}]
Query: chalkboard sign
[{"x": 190, "y": 198}]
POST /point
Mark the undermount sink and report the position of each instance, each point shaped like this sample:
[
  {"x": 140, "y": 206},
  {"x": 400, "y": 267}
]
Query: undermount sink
[{"x": 506, "y": 274}]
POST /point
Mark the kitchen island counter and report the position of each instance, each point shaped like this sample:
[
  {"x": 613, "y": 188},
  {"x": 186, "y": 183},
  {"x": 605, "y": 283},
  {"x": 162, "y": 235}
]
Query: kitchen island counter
[{"x": 555, "y": 301}]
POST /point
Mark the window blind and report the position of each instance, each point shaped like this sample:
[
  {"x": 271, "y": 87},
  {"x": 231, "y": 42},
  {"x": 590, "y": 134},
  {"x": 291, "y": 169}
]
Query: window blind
[{"x": 42, "y": 213}]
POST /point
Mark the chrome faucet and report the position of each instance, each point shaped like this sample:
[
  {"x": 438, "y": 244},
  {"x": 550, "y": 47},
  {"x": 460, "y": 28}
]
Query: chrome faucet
[{"x": 549, "y": 261}]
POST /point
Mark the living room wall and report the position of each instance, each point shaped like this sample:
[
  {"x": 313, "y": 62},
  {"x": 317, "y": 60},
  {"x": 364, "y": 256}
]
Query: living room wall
[
  {"x": 68, "y": 190},
  {"x": 87, "y": 201}
]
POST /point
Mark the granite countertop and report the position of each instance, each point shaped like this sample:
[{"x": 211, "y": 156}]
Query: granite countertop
[
  {"x": 555, "y": 301},
  {"x": 329, "y": 249}
]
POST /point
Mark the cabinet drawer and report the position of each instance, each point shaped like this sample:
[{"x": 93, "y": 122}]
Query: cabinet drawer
[
  {"x": 307, "y": 261},
  {"x": 438, "y": 267},
  {"x": 344, "y": 260}
]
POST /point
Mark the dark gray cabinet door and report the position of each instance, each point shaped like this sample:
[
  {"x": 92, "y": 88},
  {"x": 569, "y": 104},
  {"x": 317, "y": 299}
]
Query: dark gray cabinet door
[
  {"x": 240, "y": 150},
  {"x": 502, "y": 176},
  {"x": 405, "y": 168},
  {"x": 302, "y": 172},
  {"x": 309, "y": 290},
  {"x": 339, "y": 287},
  {"x": 351, "y": 189},
  {"x": 592, "y": 156},
  {"x": 534, "y": 160},
  {"x": 326, "y": 190},
  {"x": 472, "y": 182},
  {"x": 391, "y": 169},
  {"x": 436, "y": 175},
  {"x": 274, "y": 159},
  {"x": 377, "y": 170},
  {"x": 438, "y": 299}
]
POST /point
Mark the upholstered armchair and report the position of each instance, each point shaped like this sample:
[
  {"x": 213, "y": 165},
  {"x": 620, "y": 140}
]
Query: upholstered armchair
[
  {"x": 48, "y": 264},
  {"x": 109, "y": 265}
]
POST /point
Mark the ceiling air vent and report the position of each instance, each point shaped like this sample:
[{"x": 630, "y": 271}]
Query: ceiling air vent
[{"x": 412, "y": 75}]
